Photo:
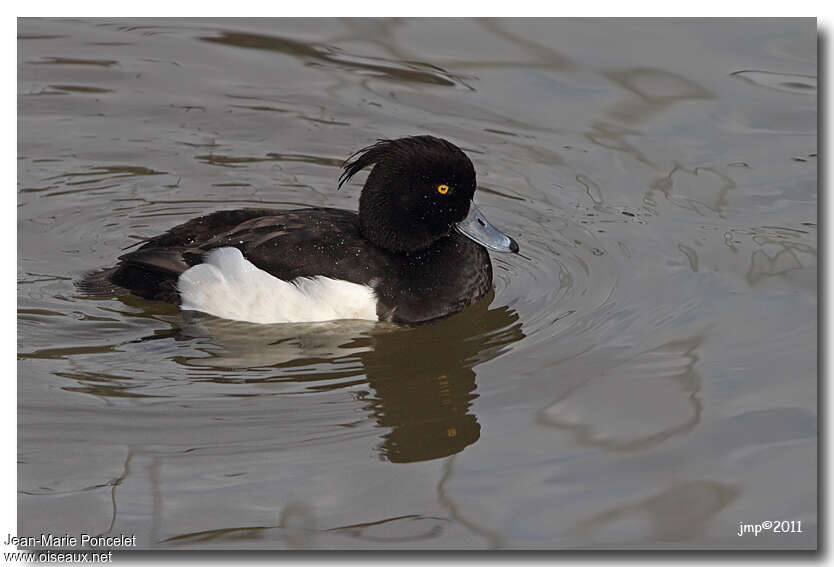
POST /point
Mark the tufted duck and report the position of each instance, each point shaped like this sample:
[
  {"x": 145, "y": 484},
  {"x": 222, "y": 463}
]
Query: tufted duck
[{"x": 416, "y": 251}]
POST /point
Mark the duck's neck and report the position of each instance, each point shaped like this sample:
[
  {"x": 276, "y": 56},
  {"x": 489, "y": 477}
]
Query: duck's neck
[{"x": 403, "y": 238}]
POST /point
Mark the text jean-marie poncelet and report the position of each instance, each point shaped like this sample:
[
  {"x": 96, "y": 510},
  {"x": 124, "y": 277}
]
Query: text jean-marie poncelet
[{"x": 56, "y": 541}]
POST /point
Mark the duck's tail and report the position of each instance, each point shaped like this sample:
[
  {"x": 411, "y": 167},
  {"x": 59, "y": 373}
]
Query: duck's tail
[{"x": 98, "y": 284}]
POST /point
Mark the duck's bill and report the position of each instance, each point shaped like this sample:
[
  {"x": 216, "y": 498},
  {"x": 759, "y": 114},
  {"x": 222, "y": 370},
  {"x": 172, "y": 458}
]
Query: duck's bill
[{"x": 476, "y": 227}]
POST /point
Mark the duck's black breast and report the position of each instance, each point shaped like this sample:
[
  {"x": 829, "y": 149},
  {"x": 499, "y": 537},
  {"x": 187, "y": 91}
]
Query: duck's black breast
[{"x": 410, "y": 288}]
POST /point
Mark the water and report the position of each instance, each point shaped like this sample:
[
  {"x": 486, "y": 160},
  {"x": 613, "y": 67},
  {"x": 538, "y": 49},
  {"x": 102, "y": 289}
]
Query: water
[{"x": 644, "y": 374}]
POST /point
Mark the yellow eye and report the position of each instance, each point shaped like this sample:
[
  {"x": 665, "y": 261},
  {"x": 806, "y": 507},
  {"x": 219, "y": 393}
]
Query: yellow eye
[{"x": 442, "y": 189}]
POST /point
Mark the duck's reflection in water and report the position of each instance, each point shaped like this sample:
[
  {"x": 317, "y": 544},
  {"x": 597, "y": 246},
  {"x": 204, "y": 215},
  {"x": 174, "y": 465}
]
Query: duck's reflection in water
[{"x": 422, "y": 377}]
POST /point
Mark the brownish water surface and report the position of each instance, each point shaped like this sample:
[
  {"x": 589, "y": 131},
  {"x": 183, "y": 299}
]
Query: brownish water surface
[{"x": 644, "y": 374}]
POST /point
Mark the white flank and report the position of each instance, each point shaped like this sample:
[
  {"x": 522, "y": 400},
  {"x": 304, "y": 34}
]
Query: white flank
[{"x": 228, "y": 285}]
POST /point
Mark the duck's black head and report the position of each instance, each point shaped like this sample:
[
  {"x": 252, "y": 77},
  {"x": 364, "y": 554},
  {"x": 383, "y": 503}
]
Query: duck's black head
[{"x": 417, "y": 192}]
